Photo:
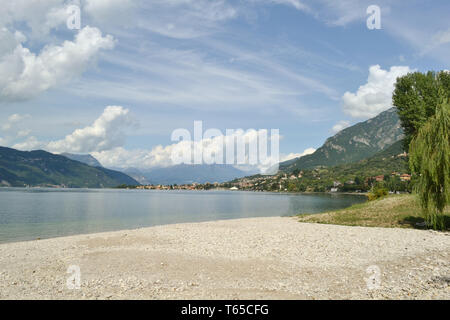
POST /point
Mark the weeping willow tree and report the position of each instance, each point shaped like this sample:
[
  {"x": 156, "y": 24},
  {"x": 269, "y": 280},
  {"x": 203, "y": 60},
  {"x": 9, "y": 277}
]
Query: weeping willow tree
[{"x": 429, "y": 153}]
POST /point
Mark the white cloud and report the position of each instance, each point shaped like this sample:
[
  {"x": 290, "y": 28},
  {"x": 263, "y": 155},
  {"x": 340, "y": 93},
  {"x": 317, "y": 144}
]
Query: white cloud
[
  {"x": 441, "y": 37},
  {"x": 376, "y": 95},
  {"x": 31, "y": 143},
  {"x": 12, "y": 128},
  {"x": 182, "y": 19},
  {"x": 120, "y": 157},
  {"x": 343, "y": 12},
  {"x": 291, "y": 156},
  {"x": 297, "y": 4},
  {"x": 40, "y": 16},
  {"x": 105, "y": 138},
  {"x": 104, "y": 134},
  {"x": 23, "y": 133},
  {"x": 341, "y": 125},
  {"x": 179, "y": 75},
  {"x": 193, "y": 79},
  {"x": 17, "y": 117},
  {"x": 14, "y": 119},
  {"x": 187, "y": 18},
  {"x": 436, "y": 45},
  {"x": 25, "y": 74},
  {"x": 111, "y": 11},
  {"x": 161, "y": 156},
  {"x": 332, "y": 12},
  {"x": 9, "y": 40}
]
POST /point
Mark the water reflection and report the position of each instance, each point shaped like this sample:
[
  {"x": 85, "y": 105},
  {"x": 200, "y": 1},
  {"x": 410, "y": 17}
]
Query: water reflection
[{"x": 27, "y": 214}]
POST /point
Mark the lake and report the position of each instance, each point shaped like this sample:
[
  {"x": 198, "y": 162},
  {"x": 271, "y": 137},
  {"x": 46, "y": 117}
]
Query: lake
[{"x": 28, "y": 214}]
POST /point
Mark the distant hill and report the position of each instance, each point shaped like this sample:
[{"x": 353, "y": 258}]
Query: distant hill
[
  {"x": 137, "y": 175},
  {"x": 386, "y": 162},
  {"x": 187, "y": 174},
  {"x": 355, "y": 143},
  {"x": 41, "y": 168},
  {"x": 85, "y": 158},
  {"x": 390, "y": 163},
  {"x": 391, "y": 159}
]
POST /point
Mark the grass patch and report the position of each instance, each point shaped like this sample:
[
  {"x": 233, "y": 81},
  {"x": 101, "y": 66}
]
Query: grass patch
[{"x": 395, "y": 211}]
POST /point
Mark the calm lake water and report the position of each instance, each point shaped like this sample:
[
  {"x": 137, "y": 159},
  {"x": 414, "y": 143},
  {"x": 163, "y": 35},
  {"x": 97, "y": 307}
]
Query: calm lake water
[{"x": 27, "y": 214}]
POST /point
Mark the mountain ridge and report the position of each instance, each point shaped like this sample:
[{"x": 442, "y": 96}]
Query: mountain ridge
[
  {"x": 41, "y": 168},
  {"x": 354, "y": 143},
  {"x": 84, "y": 158}
]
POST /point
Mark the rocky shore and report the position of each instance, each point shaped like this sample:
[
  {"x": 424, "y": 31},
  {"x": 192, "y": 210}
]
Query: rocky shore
[{"x": 262, "y": 258}]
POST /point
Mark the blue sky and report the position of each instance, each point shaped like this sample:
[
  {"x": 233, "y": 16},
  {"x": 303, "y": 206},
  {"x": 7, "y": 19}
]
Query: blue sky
[{"x": 308, "y": 68}]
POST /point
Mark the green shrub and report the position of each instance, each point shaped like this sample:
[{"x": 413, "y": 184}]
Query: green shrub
[{"x": 377, "y": 193}]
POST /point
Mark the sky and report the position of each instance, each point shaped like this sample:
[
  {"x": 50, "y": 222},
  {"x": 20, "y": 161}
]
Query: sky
[{"x": 136, "y": 70}]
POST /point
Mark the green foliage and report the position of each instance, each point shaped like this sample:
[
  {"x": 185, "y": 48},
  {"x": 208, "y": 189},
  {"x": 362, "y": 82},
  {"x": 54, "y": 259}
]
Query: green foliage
[
  {"x": 416, "y": 96},
  {"x": 361, "y": 172},
  {"x": 430, "y": 161},
  {"x": 319, "y": 189},
  {"x": 394, "y": 184},
  {"x": 396, "y": 211},
  {"x": 377, "y": 193},
  {"x": 352, "y": 177},
  {"x": 292, "y": 187}
]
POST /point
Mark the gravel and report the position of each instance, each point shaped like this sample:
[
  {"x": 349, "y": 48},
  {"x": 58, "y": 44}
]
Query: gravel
[{"x": 258, "y": 258}]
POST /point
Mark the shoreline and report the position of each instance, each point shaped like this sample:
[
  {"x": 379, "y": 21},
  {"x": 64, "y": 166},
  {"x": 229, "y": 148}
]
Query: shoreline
[
  {"x": 252, "y": 258},
  {"x": 201, "y": 190},
  {"x": 128, "y": 230},
  {"x": 16, "y": 229}
]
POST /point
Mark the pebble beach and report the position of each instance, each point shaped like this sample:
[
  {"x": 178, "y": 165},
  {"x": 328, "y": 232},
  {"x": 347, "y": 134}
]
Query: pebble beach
[{"x": 257, "y": 258}]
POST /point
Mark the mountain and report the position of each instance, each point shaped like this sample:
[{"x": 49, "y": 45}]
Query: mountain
[
  {"x": 355, "y": 143},
  {"x": 85, "y": 158},
  {"x": 187, "y": 174},
  {"x": 391, "y": 159},
  {"x": 137, "y": 175},
  {"x": 41, "y": 168},
  {"x": 389, "y": 163}
]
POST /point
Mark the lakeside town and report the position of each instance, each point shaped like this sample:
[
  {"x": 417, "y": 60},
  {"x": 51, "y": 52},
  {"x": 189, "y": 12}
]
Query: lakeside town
[{"x": 295, "y": 182}]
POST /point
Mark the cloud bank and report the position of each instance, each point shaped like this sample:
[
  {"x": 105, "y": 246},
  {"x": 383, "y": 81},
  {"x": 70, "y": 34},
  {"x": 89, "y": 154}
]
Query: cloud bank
[
  {"x": 104, "y": 134},
  {"x": 212, "y": 150},
  {"x": 105, "y": 140},
  {"x": 25, "y": 74},
  {"x": 291, "y": 156},
  {"x": 376, "y": 95},
  {"x": 341, "y": 125},
  {"x": 28, "y": 24}
]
